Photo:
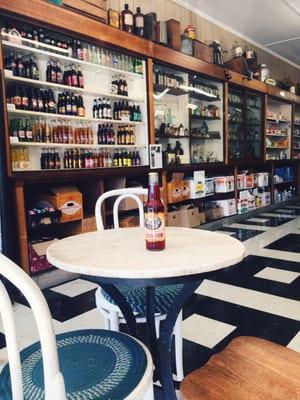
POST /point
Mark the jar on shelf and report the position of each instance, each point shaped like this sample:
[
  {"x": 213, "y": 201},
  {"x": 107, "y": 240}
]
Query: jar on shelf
[{"x": 264, "y": 72}]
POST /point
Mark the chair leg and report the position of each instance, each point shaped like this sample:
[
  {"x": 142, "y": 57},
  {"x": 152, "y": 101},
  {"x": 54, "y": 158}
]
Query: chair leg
[
  {"x": 178, "y": 348},
  {"x": 106, "y": 323},
  {"x": 149, "y": 395},
  {"x": 157, "y": 325},
  {"x": 114, "y": 321}
]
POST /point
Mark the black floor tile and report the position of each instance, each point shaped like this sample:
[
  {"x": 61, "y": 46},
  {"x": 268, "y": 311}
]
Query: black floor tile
[
  {"x": 272, "y": 222},
  {"x": 289, "y": 242},
  {"x": 63, "y": 307},
  {"x": 242, "y": 275},
  {"x": 242, "y": 234}
]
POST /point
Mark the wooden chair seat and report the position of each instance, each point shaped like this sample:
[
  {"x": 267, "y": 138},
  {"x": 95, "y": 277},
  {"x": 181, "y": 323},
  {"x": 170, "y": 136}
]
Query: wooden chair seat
[{"x": 247, "y": 369}]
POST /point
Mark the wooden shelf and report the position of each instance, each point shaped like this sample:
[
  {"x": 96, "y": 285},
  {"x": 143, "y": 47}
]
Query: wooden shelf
[
  {"x": 172, "y": 137},
  {"x": 69, "y": 117},
  {"x": 171, "y": 91},
  {"x": 75, "y": 145},
  {"x": 205, "y": 118},
  {"x": 65, "y": 60},
  {"x": 198, "y": 96},
  {"x": 73, "y": 89},
  {"x": 278, "y": 121}
]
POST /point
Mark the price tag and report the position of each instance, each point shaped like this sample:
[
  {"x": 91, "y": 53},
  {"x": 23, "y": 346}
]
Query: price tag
[
  {"x": 11, "y": 107},
  {"x": 13, "y": 139},
  {"x": 8, "y": 73}
]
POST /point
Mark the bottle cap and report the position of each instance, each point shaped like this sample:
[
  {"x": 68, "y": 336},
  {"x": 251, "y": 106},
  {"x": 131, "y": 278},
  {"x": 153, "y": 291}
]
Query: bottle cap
[{"x": 153, "y": 178}]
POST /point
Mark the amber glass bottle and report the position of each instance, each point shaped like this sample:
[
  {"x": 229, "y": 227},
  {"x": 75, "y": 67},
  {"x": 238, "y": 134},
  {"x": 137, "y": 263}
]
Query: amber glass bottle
[{"x": 154, "y": 216}]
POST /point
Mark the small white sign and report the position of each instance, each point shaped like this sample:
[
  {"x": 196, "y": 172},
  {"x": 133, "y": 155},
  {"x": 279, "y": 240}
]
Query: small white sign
[
  {"x": 155, "y": 153},
  {"x": 13, "y": 139},
  {"x": 11, "y": 107},
  {"x": 8, "y": 73}
]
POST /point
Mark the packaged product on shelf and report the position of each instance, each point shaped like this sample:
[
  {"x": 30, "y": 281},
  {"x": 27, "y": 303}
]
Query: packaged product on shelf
[
  {"x": 224, "y": 184},
  {"x": 197, "y": 185},
  {"x": 173, "y": 217},
  {"x": 37, "y": 254},
  {"x": 67, "y": 199},
  {"x": 261, "y": 179},
  {"x": 213, "y": 213},
  {"x": 228, "y": 206},
  {"x": 189, "y": 216},
  {"x": 209, "y": 186},
  {"x": 174, "y": 187}
]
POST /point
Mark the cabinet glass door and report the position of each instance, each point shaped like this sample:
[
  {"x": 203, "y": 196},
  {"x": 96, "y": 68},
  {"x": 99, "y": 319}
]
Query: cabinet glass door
[
  {"x": 253, "y": 127},
  {"x": 171, "y": 115},
  {"x": 235, "y": 123},
  {"x": 206, "y": 120}
]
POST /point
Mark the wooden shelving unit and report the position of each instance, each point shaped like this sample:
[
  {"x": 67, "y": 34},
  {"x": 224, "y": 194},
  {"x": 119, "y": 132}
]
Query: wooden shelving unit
[{"x": 94, "y": 182}]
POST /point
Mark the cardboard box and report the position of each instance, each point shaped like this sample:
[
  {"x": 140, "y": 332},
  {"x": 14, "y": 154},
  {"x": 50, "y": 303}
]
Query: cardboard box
[
  {"x": 228, "y": 206},
  {"x": 202, "y": 51},
  {"x": 88, "y": 225},
  {"x": 209, "y": 186},
  {"x": 37, "y": 255},
  {"x": 173, "y": 32},
  {"x": 224, "y": 184},
  {"x": 67, "y": 199},
  {"x": 129, "y": 221},
  {"x": 174, "y": 187},
  {"x": 249, "y": 181},
  {"x": 174, "y": 218},
  {"x": 214, "y": 213},
  {"x": 197, "y": 185},
  {"x": 242, "y": 206},
  {"x": 87, "y": 8},
  {"x": 261, "y": 179},
  {"x": 202, "y": 218},
  {"x": 189, "y": 216},
  {"x": 241, "y": 181}
]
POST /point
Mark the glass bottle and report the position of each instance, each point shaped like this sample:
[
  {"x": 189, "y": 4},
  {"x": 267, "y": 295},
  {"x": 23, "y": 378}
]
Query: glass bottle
[
  {"x": 154, "y": 216},
  {"x": 127, "y": 19},
  {"x": 138, "y": 22}
]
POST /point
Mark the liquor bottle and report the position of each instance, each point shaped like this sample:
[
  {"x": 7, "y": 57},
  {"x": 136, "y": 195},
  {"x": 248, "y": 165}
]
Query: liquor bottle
[
  {"x": 80, "y": 78},
  {"x": 28, "y": 131},
  {"x": 95, "y": 109},
  {"x": 80, "y": 107},
  {"x": 127, "y": 19},
  {"x": 138, "y": 19},
  {"x": 21, "y": 131},
  {"x": 154, "y": 216}
]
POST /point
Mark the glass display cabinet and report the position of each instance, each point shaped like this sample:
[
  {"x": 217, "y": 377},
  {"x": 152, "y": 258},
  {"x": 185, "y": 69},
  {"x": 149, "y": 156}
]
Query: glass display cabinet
[
  {"x": 296, "y": 133},
  {"x": 278, "y": 134},
  {"x": 171, "y": 115},
  {"x": 244, "y": 125},
  {"x": 189, "y": 120},
  {"x": 72, "y": 104},
  {"x": 206, "y": 120}
]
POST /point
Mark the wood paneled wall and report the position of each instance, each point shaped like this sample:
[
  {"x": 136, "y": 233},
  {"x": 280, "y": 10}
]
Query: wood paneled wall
[{"x": 207, "y": 31}]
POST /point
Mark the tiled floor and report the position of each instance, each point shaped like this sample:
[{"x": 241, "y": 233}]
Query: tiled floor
[{"x": 259, "y": 297}]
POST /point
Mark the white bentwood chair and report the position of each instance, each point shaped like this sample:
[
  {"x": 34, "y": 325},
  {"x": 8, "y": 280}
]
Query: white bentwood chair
[
  {"x": 85, "y": 364},
  {"x": 135, "y": 295}
]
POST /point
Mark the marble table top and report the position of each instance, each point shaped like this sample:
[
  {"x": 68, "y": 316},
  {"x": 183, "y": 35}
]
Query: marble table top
[{"x": 122, "y": 253}]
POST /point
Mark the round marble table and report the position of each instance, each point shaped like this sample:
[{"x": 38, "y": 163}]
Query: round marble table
[{"x": 115, "y": 257}]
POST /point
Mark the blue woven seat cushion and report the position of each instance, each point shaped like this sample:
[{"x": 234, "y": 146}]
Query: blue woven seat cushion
[
  {"x": 136, "y": 297},
  {"x": 96, "y": 364}
]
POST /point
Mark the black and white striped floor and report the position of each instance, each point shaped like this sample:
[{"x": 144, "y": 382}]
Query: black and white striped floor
[{"x": 260, "y": 297}]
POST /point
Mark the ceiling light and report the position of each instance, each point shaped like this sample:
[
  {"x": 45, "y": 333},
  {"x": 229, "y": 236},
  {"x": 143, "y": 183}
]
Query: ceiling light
[{"x": 293, "y": 5}]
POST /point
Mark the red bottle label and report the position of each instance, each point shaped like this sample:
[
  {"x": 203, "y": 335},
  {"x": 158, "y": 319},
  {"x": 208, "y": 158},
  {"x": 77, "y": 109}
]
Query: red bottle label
[{"x": 155, "y": 227}]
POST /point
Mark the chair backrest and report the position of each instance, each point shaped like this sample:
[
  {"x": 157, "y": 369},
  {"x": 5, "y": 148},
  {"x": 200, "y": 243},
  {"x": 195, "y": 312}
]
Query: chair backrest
[
  {"x": 132, "y": 193},
  {"x": 54, "y": 382}
]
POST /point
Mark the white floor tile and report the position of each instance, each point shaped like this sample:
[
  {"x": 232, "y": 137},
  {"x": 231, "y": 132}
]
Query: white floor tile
[
  {"x": 226, "y": 233},
  {"x": 295, "y": 343},
  {"x": 277, "y": 275},
  {"x": 269, "y": 303},
  {"x": 284, "y": 210},
  {"x": 75, "y": 288},
  {"x": 258, "y": 220},
  {"x": 89, "y": 320},
  {"x": 278, "y": 215},
  {"x": 205, "y": 331},
  {"x": 295, "y": 207}
]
